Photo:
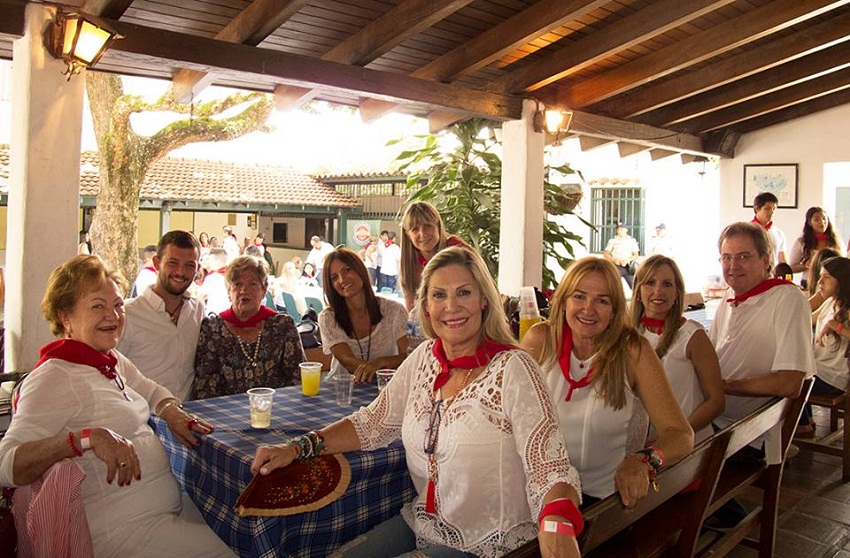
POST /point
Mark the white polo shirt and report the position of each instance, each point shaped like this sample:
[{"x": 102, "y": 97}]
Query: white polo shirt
[
  {"x": 162, "y": 351},
  {"x": 768, "y": 332}
]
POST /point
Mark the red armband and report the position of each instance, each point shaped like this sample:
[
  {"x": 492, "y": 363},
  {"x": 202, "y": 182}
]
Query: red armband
[
  {"x": 557, "y": 527},
  {"x": 563, "y": 507}
]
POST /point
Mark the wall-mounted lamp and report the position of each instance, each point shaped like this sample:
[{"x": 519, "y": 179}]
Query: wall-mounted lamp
[
  {"x": 78, "y": 39},
  {"x": 552, "y": 121}
]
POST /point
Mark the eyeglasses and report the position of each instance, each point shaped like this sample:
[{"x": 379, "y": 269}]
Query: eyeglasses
[
  {"x": 740, "y": 258},
  {"x": 433, "y": 429}
]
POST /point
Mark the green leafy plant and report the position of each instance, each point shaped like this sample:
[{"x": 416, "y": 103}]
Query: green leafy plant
[{"x": 460, "y": 172}]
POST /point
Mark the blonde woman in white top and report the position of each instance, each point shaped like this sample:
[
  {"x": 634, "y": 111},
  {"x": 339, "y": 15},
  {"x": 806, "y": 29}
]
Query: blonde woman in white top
[{"x": 682, "y": 345}]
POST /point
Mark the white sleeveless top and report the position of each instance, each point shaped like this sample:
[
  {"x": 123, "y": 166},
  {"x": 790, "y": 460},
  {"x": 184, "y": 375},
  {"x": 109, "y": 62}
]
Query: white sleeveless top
[
  {"x": 680, "y": 371},
  {"x": 829, "y": 359},
  {"x": 598, "y": 437}
]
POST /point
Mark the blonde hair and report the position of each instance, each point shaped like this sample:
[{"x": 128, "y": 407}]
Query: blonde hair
[
  {"x": 612, "y": 351},
  {"x": 673, "y": 320},
  {"x": 410, "y": 270},
  {"x": 494, "y": 322},
  {"x": 71, "y": 281}
]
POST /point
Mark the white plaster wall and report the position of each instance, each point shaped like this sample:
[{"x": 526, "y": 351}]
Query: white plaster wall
[{"x": 811, "y": 142}]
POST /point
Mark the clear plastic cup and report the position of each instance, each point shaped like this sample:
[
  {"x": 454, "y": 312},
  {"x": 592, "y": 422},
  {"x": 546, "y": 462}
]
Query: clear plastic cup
[
  {"x": 311, "y": 377},
  {"x": 343, "y": 386},
  {"x": 260, "y": 402},
  {"x": 384, "y": 376}
]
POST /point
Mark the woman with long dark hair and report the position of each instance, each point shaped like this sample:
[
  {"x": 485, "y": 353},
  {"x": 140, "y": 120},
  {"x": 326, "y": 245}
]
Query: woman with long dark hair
[
  {"x": 814, "y": 275},
  {"x": 817, "y": 235},
  {"x": 364, "y": 332},
  {"x": 682, "y": 345}
]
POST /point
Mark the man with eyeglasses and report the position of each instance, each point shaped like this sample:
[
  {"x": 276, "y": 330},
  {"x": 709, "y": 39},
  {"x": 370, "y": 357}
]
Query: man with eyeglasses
[
  {"x": 762, "y": 333},
  {"x": 164, "y": 322}
]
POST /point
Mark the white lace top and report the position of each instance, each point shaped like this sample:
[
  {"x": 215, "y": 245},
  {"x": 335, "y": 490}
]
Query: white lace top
[
  {"x": 499, "y": 451},
  {"x": 598, "y": 437},
  {"x": 681, "y": 373},
  {"x": 383, "y": 341}
]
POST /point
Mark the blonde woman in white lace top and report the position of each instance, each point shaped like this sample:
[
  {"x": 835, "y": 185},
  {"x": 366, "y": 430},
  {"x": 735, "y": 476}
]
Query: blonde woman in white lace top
[{"x": 483, "y": 444}]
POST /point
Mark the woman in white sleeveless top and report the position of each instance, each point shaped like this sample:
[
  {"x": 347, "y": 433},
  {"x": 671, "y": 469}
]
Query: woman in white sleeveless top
[
  {"x": 601, "y": 375},
  {"x": 682, "y": 345}
]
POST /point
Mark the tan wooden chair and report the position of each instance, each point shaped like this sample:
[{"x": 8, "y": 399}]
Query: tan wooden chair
[{"x": 838, "y": 406}]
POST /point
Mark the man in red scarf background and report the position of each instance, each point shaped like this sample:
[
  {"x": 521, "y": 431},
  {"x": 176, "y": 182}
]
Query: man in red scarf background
[{"x": 764, "y": 205}]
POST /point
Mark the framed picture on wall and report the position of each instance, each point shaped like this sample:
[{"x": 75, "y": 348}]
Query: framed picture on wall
[{"x": 778, "y": 179}]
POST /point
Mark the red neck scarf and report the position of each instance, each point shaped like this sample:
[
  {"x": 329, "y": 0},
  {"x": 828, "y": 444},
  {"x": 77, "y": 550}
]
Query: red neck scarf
[
  {"x": 150, "y": 268},
  {"x": 421, "y": 259},
  {"x": 78, "y": 352},
  {"x": 564, "y": 361},
  {"x": 388, "y": 243},
  {"x": 483, "y": 354},
  {"x": 820, "y": 237},
  {"x": 263, "y": 313},
  {"x": 757, "y": 222},
  {"x": 653, "y": 325},
  {"x": 765, "y": 285}
]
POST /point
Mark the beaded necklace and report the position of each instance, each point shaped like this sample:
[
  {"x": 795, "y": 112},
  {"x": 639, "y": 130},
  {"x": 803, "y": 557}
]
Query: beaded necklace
[{"x": 243, "y": 346}]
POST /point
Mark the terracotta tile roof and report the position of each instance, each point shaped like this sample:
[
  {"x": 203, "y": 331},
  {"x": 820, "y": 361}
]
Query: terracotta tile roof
[
  {"x": 332, "y": 178},
  {"x": 213, "y": 181}
]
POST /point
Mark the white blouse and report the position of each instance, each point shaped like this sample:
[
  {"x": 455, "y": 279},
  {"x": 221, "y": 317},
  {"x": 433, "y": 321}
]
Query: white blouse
[
  {"x": 829, "y": 359},
  {"x": 681, "y": 373},
  {"x": 598, "y": 437},
  {"x": 383, "y": 341},
  {"x": 499, "y": 450}
]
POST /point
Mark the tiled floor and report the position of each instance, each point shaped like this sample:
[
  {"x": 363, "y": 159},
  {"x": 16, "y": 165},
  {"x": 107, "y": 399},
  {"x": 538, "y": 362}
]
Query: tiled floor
[{"x": 814, "y": 515}]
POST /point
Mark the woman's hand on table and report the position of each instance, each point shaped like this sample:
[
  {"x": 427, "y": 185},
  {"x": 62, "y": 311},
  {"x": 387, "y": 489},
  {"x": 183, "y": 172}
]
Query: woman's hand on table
[
  {"x": 269, "y": 458},
  {"x": 632, "y": 481},
  {"x": 364, "y": 373},
  {"x": 553, "y": 545},
  {"x": 184, "y": 426},
  {"x": 118, "y": 453}
]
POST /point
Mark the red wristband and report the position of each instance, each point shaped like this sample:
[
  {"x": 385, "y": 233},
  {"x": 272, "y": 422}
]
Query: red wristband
[
  {"x": 71, "y": 443},
  {"x": 563, "y": 507},
  {"x": 557, "y": 527},
  {"x": 85, "y": 439}
]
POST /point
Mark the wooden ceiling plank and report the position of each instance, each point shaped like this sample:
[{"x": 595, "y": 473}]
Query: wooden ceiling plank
[
  {"x": 802, "y": 92},
  {"x": 803, "y": 42},
  {"x": 746, "y": 28},
  {"x": 494, "y": 43},
  {"x": 764, "y": 83},
  {"x": 649, "y": 22},
  {"x": 110, "y": 9},
  {"x": 158, "y": 46},
  {"x": 795, "y": 111},
  {"x": 253, "y": 24}
]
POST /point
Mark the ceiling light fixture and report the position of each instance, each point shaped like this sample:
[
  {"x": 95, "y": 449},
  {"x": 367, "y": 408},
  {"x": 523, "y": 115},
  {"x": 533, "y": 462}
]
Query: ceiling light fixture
[{"x": 78, "y": 39}]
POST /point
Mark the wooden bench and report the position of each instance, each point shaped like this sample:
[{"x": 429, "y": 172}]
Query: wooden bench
[{"x": 669, "y": 522}]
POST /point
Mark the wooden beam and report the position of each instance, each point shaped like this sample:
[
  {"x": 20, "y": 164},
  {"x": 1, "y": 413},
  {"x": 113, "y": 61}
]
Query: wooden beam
[
  {"x": 253, "y": 24},
  {"x": 160, "y": 46},
  {"x": 109, "y": 9},
  {"x": 764, "y": 83},
  {"x": 12, "y": 18},
  {"x": 800, "y": 93},
  {"x": 795, "y": 111},
  {"x": 628, "y": 149},
  {"x": 586, "y": 143},
  {"x": 656, "y": 154},
  {"x": 612, "y": 129},
  {"x": 808, "y": 40},
  {"x": 743, "y": 29},
  {"x": 512, "y": 33},
  {"x": 649, "y": 22},
  {"x": 439, "y": 120},
  {"x": 290, "y": 96}
]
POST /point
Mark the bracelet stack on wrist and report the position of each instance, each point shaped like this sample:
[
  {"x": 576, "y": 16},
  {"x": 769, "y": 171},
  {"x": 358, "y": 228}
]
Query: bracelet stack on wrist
[
  {"x": 168, "y": 405},
  {"x": 653, "y": 458},
  {"x": 308, "y": 446}
]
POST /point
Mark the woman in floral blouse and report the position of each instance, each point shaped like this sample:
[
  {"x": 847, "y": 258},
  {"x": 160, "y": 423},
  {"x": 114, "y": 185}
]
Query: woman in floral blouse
[{"x": 248, "y": 345}]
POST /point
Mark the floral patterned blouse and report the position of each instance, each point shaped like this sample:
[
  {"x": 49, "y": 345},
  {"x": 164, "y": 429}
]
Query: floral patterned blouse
[{"x": 224, "y": 367}]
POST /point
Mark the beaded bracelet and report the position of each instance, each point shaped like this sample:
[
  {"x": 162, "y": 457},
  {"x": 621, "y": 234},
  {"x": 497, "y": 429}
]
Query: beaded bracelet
[
  {"x": 309, "y": 445},
  {"x": 74, "y": 447},
  {"x": 168, "y": 405}
]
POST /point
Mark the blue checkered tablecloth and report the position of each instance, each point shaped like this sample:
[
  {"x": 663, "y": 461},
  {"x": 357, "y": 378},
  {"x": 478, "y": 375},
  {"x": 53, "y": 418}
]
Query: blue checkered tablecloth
[{"x": 216, "y": 473}]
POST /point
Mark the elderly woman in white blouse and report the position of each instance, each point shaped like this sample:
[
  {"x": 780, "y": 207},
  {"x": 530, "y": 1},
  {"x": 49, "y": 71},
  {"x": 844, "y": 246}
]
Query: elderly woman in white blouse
[
  {"x": 483, "y": 445},
  {"x": 364, "y": 332}
]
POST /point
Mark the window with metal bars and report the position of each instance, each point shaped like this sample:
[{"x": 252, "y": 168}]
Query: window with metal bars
[{"x": 609, "y": 206}]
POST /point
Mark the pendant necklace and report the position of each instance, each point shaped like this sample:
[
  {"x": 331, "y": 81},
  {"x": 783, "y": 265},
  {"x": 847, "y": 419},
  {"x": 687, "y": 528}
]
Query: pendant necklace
[
  {"x": 243, "y": 345},
  {"x": 368, "y": 347},
  {"x": 175, "y": 315}
]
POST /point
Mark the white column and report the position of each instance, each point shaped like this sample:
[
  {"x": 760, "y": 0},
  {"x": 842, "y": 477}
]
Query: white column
[
  {"x": 521, "y": 234},
  {"x": 44, "y": 194}
]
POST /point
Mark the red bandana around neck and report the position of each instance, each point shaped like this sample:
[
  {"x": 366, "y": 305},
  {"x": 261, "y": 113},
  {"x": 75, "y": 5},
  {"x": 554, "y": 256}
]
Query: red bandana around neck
[
  {"x": 150, "y": 268},
  {"x": 653, "y": 325},
  {"x": 388, "y": 243},
  {"x": 78, "y": 352},
  {"x": 421, "y": 259},
  {"x": 263, "y": 313},
  {"x": 483, "y": 354},
  {"x": 765, "y": 285},
  {"x": 564, "y": 361},
  {"x": 820, "y": 237},
  {"x": 757, "y": 222}
]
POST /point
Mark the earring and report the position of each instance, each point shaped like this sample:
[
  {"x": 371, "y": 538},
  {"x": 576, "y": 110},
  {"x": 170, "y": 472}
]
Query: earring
[
  {"x": 485, "y": 307},
  {"x": 427, "y": 314}
]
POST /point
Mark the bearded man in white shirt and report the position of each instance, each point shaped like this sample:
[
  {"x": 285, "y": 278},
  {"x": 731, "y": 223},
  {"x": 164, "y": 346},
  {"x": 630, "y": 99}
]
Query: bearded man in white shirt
[{"x": 163, "y": 323}]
